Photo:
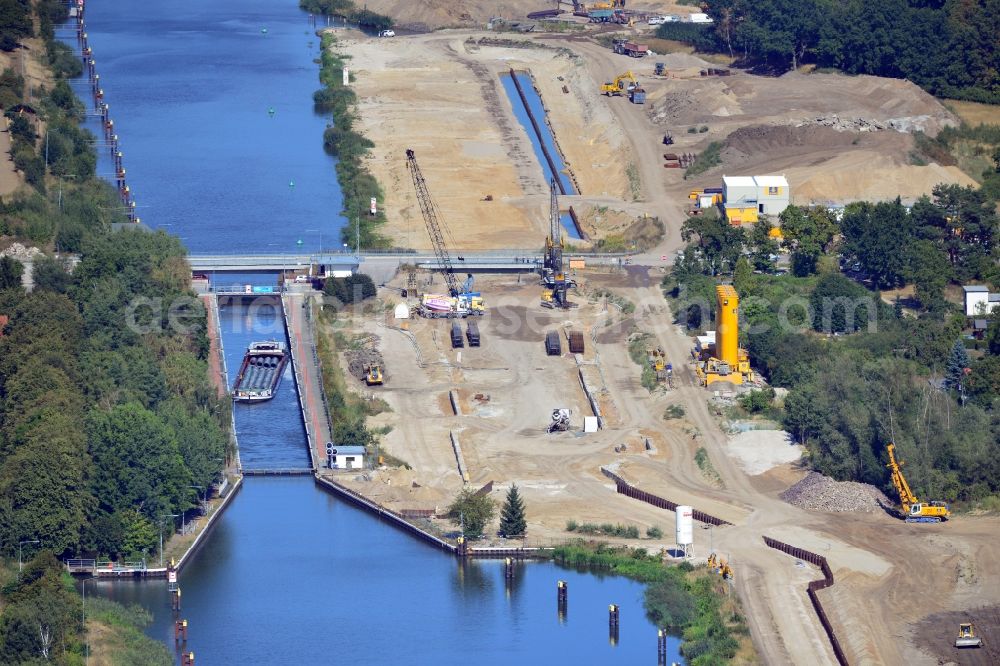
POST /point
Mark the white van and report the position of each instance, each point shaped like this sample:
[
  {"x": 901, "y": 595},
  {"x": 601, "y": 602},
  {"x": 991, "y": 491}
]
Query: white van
[
  {"x": 657, "y": 20},
  {"x": 387, "y": 33},
  {"x": 701, "y": 18}
]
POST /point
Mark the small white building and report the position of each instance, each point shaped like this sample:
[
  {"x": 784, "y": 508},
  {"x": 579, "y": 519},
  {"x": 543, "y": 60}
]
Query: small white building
[
  {"x": 772, "y": 194},
  {"x": 765, "y": 195},
  {"x": 348, "y": 457},
  {"x": 979, "y": 301},
  {"x": 741, "y": 190}
]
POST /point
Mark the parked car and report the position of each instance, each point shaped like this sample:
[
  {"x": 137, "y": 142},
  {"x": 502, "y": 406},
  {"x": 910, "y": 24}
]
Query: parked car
[
  {"x": 302, "y": 278},
  {"x": 387, "y": 33}
]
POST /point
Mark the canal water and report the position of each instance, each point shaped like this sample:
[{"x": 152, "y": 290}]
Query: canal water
[
  {"x": 191, "y": 87},
  {"x": 271, "y": 434},
  {"x": 538, "y": 111},
  {"x": 290, "y": 574}
]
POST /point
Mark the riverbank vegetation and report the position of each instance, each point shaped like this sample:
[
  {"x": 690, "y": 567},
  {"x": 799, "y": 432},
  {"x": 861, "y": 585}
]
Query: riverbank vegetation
[
  {"x": 347, "y": 9},
  {"x": 348, "y": 410},
  {"x": 107, "y": 416},
  {"x": 862, "y": 331},
  {"x": 947, "y": 47},
  {"x": 692, "y": 602},
  {"x": 41, "y": 621},
  {"x": 349, "y": 146}
]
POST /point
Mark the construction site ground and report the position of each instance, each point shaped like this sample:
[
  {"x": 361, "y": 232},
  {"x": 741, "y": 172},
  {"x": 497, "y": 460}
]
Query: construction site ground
[
  {"x": 440, "y": 94},
  {"x": 889, "y": 575}
]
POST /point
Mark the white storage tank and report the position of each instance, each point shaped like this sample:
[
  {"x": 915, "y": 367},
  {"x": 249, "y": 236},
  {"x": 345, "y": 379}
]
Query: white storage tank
[{"x": 685, "y": 526}]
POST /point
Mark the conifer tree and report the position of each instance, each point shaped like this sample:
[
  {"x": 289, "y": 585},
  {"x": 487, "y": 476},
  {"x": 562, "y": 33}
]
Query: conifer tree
[
  {"x": 512, "y": 522},
  {"x": 958, "y": 361}
]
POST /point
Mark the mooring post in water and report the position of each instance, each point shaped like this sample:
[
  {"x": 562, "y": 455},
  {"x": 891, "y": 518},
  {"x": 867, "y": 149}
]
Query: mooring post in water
[
  {"x": 561, "y": 592},
  {"x": 187, "y": 659},
  {"x": 180, "y": 631},
  {"x": 175, "y": 600},
  {"x": 613, "y": 624},
  {"x": 462, "y": 548},
  {"x": 661, "y": 647},
  {"x": 508, "y": 571}
]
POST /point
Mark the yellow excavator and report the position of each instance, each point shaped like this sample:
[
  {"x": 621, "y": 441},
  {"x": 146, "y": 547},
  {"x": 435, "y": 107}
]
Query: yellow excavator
[
  {"x": 914, "y": 511},
  {"x": 374, "y": 376},
  {"x": 621, "y": 85}
]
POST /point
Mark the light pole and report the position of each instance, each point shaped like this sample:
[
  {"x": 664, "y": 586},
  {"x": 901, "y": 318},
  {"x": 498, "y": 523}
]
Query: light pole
[
  {"x": 172, "y": 515},
  {"x": 20, "y": 564}
]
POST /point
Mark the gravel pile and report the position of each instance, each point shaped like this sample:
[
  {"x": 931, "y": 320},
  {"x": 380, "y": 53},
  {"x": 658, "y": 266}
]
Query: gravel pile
[
  {"x": 358, "y": 361},
  {"x": 824, "y": 494}
]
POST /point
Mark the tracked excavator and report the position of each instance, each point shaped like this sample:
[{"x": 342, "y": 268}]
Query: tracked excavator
[
  {"x": 914, "y": 511},
  {"x": 622, "y": 84}
]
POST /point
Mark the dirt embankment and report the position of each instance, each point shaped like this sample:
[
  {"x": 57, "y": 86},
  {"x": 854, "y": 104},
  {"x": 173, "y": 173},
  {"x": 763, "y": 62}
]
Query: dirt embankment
[
  {"x": 442, "y": 96},
  {"x": 837, "y": 138},
  {"x": 428, "y": 15}
]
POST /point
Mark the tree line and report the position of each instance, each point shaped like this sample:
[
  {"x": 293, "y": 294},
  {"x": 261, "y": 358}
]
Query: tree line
[
  {"x": 947, "y": 47},
  {"x": 107, "y": 417},
  {"x": 862, "y": 372}
]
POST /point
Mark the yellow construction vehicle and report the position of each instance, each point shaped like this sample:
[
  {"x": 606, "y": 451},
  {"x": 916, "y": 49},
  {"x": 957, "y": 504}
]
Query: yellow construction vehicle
[
  {"x": 658, "y": 363},
  {"x": 914, "y": 511},
  {"x": 374, "y": 376},
  {"x": 717, "y": 564},
  {"x": 967, "y": 636},
  {"x": 621, "y": 85}
]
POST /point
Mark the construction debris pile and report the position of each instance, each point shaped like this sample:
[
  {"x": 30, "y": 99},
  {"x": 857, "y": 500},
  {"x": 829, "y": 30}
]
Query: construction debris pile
[
  {"x": 905, "y": 124},
  {"x": 20, "y": 252},
  {"x": 824, "y": 494},
  {"x": 360, "y": 360}
]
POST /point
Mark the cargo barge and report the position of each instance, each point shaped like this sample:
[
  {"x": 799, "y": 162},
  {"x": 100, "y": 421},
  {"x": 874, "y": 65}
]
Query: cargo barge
[{"x": 261, "y": 371}]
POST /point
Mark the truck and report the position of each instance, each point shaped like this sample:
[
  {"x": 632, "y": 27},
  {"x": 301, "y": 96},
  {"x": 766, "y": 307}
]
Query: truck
[
  {"x": 631, "y": 49},
  {"x": 472, "y": 333},
  {"x": 700, "y": 17},
  {"x": 440, "y": 306},
  {"x": 457, "y": 341},
  {"x": 637, "y": 95}
]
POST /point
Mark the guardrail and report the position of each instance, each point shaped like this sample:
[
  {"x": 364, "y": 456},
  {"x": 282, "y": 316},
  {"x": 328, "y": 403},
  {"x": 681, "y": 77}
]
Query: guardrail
[{"x": 825, "y": 582}]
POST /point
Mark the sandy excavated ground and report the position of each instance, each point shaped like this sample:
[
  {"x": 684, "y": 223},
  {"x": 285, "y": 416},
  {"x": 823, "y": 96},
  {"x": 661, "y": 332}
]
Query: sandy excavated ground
[
  {"x": 889, "y": 575},
  {"x": 780, "y": 126},
  {"x": 506, "y": 390},
  {"x": 441, "y": 96},
  {"x": 421, "y": 15}
]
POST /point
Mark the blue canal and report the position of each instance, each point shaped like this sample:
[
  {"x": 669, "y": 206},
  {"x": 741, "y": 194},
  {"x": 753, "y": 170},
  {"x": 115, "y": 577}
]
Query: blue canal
[
  {"x": 290, "y": 574},
  {"x": 538, "y": 111}
]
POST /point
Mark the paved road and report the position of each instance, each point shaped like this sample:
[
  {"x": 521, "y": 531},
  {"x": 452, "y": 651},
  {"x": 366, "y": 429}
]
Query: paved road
[{"x": 307, "y": 374}]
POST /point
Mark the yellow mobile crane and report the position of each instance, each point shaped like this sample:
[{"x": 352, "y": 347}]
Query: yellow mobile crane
[{"x": 914, "y": 511}]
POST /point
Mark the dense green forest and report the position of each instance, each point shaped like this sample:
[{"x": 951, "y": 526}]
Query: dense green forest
[
  {"x": 862, "y": 371},
  {"x": 948, "y": 47},
  {"x": 107, "y": 416}
]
